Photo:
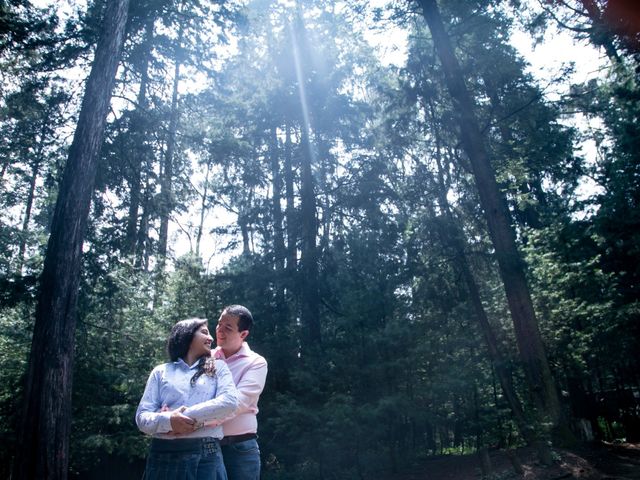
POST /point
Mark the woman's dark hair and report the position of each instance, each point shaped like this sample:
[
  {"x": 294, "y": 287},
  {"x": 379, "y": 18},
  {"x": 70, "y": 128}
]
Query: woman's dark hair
[
  {"x": 245, "y": 319},
  {"x": 179, "y": 342},
  {"x": 181, "y": 335}
]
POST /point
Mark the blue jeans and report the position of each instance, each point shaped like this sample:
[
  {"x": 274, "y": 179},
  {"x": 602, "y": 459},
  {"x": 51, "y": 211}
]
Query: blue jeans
[
  {"x": 185, "y": 459},
  {"x": 242, "y": 460}
]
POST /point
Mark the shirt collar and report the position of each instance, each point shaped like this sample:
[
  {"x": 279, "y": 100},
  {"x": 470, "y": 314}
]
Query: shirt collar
[
  {"x": 182, "y": 364},
  {"x": 244, "y": 351}
]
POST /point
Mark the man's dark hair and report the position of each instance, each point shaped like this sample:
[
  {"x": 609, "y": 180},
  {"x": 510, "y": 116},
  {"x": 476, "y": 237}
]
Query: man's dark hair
[
  {"x": 245, "y": 319},
  {"x": 181, "y": 335}
]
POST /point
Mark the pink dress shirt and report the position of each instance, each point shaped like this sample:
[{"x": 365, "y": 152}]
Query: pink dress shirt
[{"x": 249, "y": 372}]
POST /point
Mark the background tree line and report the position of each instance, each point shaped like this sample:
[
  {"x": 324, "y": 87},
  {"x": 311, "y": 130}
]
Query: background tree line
[{"x": 426, "y": 274}]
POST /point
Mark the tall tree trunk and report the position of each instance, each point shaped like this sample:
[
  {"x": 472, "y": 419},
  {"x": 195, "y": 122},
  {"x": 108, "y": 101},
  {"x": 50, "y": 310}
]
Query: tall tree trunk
[
  {"x": 244, "y": 231},
  {"x": 35, "y": 169},
  {"x": 534, "y": 359},
  {"x": 279, "y": 249},
  {"x": 278, "y": 233},
  {"x": 310, "y": 294},
  {"x": 290, "y": 209},
  {"x": 453, "y": 237},
  {"x": 135, "y": 190},
  {"x": 324, "y": 201},
  {"x": 203, "y": 210},
  {"x": 139, "y": 148},
  {"x": 245, "y": 221},
  {"x": 43, "y": 444},
  {"x": 166, "y": 188},
  {"x": 309, "y": 256},
  {"x": 142, "y": 241}
]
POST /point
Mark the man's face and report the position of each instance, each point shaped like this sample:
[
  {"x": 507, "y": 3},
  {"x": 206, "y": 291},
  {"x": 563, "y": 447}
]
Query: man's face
[{"x": 228, "y": 337}]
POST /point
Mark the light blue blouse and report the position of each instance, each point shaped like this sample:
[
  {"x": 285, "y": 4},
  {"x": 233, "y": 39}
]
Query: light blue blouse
[{"x": 211, "y": 398}]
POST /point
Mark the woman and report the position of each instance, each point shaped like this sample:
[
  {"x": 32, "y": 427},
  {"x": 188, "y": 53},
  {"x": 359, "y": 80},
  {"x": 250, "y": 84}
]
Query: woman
[{"x": 179, "y": 398}]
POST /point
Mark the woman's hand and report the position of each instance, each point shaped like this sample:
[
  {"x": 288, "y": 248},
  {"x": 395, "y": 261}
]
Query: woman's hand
[{"x": 181, "y": 423}]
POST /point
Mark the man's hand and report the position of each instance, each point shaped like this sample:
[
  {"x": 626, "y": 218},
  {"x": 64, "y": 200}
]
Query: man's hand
[{"x": 181, "y": 423}]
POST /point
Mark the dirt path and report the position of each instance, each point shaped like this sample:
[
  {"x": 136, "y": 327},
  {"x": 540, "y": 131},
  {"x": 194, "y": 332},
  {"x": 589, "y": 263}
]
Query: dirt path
[{"x": 596, "y": 461}]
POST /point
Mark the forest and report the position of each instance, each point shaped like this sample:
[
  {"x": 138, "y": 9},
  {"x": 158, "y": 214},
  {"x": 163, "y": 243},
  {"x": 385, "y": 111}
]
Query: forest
[{"x": 441, "y": 249}]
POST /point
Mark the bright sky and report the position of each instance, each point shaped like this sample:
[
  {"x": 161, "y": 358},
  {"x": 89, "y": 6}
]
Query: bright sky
[
  {"x": 547, "y": 61},
  {"x": 559, "y": 49}
]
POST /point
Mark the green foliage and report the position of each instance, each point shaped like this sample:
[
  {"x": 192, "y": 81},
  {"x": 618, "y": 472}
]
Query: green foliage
[
  {"x": 119, "y": 340},
  {"x": 16, "y": 326},
  {"x": 402, "y": 371}
]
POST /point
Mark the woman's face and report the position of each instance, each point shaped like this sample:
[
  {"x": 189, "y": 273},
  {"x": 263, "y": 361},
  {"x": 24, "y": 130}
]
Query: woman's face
[{"x": 201, "y": 342}]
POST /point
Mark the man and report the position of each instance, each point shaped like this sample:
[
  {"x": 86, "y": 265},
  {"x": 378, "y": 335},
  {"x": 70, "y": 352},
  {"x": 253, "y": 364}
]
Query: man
[{"x": 249, "y": 371}]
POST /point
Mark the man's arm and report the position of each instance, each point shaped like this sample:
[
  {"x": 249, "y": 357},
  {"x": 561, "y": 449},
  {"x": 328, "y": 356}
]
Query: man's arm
[
  {"x": 224, "y": 403},
  {"x": 250, "y": 386}
]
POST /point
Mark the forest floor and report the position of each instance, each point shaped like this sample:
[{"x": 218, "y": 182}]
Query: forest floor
[{"x": 596, "y": 461}]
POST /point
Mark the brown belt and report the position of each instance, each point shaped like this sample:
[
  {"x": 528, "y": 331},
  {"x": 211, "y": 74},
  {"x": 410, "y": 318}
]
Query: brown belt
[{"x": 230, "y": 439}]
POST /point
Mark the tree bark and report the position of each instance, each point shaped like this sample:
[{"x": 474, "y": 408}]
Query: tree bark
[
  {"x": 142, "y": 243},
  {"x": 290, "y": 209},
  {"x": 203, "y": 210},
  {"x": 278, "y": 234},
  {"x": 279, "y": 248},
  {"x": 35, "y": 169},
  {"x": 135, "y": 186},
  {"x": 454, "y": 239},
  {"x": 166, "y": 189},
  {"x": 310, "y": 295},
  {"x": 139, "y": 149},
  {"x": 309, "y": 255},
  {"x": 532, "y": 353},
  {"x": 43, "y": 444}
]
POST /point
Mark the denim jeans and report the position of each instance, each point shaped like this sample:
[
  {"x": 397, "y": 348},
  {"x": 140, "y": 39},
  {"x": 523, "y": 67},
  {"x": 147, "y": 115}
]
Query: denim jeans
[
  {"x": 185, "y": 459},
  {"x": 242, "y": 460}
]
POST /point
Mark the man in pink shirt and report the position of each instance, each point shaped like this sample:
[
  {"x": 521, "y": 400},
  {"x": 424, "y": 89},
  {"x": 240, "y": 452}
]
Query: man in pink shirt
[{"x": 249, "y": 371}]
